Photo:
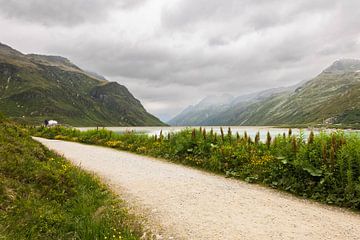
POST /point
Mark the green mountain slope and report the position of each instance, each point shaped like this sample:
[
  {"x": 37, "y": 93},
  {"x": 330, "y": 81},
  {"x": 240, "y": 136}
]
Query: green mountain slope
[
  {"x": 36, "y": 87},
  {"x": 331, "y": 97}
]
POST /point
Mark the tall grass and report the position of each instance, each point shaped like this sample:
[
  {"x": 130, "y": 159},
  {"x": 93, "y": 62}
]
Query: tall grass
[
  {"x": 43, "y": 196},
  {"x": 324, "y": 167}
]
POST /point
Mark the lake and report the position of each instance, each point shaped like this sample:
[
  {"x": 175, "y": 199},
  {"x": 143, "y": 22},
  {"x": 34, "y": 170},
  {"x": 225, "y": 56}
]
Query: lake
[{"x": 251, "y": 130}]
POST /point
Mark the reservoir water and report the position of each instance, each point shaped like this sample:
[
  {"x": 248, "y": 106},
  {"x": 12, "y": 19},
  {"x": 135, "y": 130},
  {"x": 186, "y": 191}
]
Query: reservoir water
[{"x": 251, "y": 130}]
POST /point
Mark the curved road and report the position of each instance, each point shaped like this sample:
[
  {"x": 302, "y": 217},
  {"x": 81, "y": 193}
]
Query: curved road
[{"x": 191, "y": 204}]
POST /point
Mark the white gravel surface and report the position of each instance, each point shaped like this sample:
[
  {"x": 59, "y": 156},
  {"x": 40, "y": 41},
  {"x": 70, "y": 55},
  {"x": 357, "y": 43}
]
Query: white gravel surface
[{"x": 191, "y": 204}]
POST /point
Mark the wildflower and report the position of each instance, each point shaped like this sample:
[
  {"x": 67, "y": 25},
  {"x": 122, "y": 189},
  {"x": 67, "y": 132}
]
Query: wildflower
[
  {"x": 257, "y": 138},
  {"x": 268, "y": 139},
  {"x": 222, "y": 133},
  {"x": 311, "y": 137}
]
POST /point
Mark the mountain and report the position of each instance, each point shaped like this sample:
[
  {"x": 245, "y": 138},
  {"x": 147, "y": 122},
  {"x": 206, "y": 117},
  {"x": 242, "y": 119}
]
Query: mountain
[
  {"x": 211, "y": 110},
  {"x": 200, "y": 113},
  {"x": 331, "y": 97},
  {"x": 37, "y": 87}
]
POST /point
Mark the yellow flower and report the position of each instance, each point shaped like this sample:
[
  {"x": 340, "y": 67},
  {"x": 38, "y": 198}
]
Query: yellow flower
[
  {"x": 255, "y": 160},
  {"x": 141, "y": 149},
  {"x": 113, "y": 143}
]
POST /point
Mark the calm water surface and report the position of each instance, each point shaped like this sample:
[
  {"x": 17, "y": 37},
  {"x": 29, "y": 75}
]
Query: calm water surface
[{"x": 251, "y": 130}]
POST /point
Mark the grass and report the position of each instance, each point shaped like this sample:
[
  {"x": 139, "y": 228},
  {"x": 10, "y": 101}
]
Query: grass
[
  {"x": 43, "y": 196},
  {"x": 325, "y": 167},
  {"x": 31, "y": 91}
]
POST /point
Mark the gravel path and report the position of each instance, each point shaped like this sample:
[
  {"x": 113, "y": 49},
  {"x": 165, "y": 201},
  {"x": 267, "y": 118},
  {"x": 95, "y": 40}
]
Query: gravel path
[{"x": 191, "y": 204}]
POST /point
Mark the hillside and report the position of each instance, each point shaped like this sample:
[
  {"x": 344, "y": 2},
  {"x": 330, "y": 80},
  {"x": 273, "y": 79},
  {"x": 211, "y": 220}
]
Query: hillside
[
  {"x": 331, "y": 97},
  {"x": 37, "y": 87},
  {"x": 44, "y": 196},
  {"x": 203, "y": 111},
  {"x": 217, "y": 110}
]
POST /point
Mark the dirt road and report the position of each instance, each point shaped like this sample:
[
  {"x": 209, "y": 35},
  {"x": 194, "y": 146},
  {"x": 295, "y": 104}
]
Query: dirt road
[{"x": 191, "y": 204}]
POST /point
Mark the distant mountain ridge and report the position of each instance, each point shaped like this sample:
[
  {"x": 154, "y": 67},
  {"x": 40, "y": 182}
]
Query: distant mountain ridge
[
  {"x": 331, "y": 97},
  {"x": 36, "y": 87}
]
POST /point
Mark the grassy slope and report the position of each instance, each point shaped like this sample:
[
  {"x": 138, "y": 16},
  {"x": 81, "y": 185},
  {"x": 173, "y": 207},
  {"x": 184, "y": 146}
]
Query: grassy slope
[
  {"x": 34, "y": 88},
  {"x": 329, "y": 95},
  {"x": 42, "y": 196},
  {"x": 333, "y": 95}
]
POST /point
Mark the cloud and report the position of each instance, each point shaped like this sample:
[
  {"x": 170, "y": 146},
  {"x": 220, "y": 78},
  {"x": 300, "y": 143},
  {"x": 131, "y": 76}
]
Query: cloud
[
  {"x": 172, "y": 53},
  {"x": 66, "y": 13}
]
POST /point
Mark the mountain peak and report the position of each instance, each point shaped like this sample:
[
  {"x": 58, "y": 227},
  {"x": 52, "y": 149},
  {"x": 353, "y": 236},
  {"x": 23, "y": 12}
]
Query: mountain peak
[{"x": 344, "y": 65}]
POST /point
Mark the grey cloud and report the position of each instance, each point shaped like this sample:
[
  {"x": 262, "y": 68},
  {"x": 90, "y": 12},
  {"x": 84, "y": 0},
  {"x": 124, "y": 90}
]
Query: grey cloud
[
  {"x": 197, "y": 48},
  {"x": 65, "y": 13},
  {"x": 217, "y": 41}
]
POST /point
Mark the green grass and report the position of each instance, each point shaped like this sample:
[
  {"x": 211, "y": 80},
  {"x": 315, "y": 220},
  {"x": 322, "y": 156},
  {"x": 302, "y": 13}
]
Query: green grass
[
  {"x": 325, "y": 168},
  {"x": 35, "y": 88},
  {"x": 43, "y": 196}
]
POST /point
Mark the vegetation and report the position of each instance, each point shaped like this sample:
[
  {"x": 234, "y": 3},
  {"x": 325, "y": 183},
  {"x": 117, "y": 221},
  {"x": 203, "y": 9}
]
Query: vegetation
[
  {"x": 331, "y": 98},
  {"x": 35, "y": 87},
  {"x": 43, "y": 196},
  {"x": 325, "y": 167}
]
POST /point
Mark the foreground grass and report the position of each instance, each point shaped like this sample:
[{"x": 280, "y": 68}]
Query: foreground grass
[
  {"x": 43, "y": 196},
  {"x": 325, "y": 167}
]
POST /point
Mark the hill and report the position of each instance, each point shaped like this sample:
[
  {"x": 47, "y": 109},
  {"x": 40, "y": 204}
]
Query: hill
[
  {"x": 203, "y": 111},
  {"x": 37, "y": 87},
  {"x": 331, "y": 97}
]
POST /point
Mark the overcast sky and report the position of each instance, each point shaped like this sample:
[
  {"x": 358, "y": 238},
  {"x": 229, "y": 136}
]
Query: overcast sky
[{"x": 172, "y": 53}]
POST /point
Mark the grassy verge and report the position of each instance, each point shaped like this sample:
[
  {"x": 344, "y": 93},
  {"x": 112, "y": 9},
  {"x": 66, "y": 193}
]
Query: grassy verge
[
  {"x": 325, "y": 167},
  {"x": 43, "y": 196}
]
